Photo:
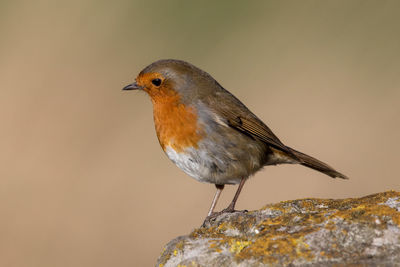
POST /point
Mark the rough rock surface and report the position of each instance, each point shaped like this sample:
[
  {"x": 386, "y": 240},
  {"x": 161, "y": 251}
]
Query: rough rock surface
[{"x": 306, "y": 232}]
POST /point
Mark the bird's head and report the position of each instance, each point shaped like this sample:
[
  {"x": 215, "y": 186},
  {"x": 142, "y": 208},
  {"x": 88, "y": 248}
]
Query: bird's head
[{"x": 171, "y": 77}]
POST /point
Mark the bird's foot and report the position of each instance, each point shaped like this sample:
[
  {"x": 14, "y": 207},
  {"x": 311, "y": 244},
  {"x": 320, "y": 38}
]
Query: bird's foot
[{"x": 210, "y": 218}]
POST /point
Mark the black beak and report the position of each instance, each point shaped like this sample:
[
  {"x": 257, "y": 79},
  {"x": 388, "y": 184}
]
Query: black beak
[{"x": 132, "y": 86}]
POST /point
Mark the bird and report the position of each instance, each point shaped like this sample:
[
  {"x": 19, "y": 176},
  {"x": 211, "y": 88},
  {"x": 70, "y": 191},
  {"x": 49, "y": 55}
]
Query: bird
[{"x": 209, "y": 133}]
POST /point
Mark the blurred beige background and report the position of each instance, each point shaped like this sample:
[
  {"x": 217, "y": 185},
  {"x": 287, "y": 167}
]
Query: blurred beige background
[{"x": 83, "y": 181}]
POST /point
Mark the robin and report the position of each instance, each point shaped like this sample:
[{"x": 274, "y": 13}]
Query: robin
[{"x": 208, "y": 133}]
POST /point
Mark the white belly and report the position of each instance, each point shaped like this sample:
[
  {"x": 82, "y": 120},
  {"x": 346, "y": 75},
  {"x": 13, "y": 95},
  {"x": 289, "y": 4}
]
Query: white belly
[
  {"x": 190, "y": 163},
  {"x": 207, "y": 167}
]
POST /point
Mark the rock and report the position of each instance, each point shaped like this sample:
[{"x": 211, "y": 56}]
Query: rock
[{"x": 306, "y": 232}]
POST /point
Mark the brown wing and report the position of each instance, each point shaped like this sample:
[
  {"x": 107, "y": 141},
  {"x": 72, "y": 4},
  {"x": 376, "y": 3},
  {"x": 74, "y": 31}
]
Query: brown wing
[
  {"x": 256, "y": 129},
  {"x": 239, "y": 117}
]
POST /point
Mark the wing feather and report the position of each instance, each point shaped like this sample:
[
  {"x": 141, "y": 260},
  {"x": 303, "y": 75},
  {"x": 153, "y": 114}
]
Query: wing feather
[{"x": 240, "y": 118}]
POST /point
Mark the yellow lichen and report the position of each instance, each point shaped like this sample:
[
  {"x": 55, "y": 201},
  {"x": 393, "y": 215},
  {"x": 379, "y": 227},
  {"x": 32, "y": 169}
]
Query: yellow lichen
[
  {"x": 272, "y": 243},
  {"x": 215, "y": 247},
  {"x": 180, "y": 245},
  {"x": 268, "y": 248},
  {"x": 237, "y": 246}
]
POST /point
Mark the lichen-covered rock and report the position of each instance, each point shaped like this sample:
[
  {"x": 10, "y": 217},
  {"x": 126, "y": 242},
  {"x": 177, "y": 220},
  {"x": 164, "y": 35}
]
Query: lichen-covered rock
[{"x": 306, "y": 232}]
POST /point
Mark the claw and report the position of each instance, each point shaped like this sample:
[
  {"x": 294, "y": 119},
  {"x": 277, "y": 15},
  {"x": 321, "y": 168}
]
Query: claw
[{"x": 214, "y": 215}]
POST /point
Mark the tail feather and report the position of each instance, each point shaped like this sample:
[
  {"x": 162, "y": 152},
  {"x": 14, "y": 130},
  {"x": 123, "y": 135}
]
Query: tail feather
[{"x": 317, "y": 165}]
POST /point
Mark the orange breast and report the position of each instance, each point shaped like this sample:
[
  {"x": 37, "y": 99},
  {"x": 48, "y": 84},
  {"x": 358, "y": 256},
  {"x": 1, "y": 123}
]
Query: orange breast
[{"x": 176, "y": 124}]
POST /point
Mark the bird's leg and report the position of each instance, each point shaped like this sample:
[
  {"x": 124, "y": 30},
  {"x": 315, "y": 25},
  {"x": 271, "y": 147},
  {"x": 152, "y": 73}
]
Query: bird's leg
[
  {"x": 219, "y": 187},
  {"x": 231, "y": 207},
  {"x": 211, "y": 214}
]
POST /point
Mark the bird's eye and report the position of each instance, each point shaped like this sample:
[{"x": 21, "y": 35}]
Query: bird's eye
[{"x": 156, "y": 82}]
